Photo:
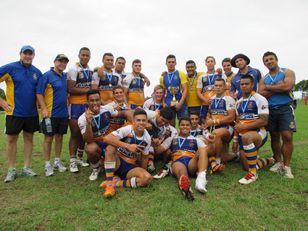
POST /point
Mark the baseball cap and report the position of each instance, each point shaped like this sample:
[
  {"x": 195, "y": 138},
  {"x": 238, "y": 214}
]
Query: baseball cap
[
  {"x": 62, "y": 57},
  {"x": 27, "y": 48}
]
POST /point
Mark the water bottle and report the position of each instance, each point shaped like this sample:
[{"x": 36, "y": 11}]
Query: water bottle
[{"x": 48, "y": 125}]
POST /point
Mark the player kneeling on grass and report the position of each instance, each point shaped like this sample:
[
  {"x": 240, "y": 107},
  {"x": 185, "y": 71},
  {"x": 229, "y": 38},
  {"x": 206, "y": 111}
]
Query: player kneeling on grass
[
  {"x": 127, "y": 156},
  {"x": 94, "y": 124},
  {"x": 189, "y": 157},
  {"x": 250, "y": 134}
]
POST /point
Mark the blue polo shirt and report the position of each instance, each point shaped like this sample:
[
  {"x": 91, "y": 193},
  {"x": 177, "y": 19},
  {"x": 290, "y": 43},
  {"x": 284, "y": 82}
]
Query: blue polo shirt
[
  {"x": 235, "y": 82},
  {"x": 54, "y": 88},
  {"x": 21, "y": 82}
]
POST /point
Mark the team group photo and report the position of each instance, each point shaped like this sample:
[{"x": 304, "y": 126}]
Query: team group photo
[{"x": 214, "y": 141}]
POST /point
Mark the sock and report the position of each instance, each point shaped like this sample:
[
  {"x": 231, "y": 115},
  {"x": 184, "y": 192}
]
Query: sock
[
  {"x": 212, "y": 161},
  {"x": 151, "y": 156},
  {"x": 109, "y": 169},
  {"x": 218, "y": 160},
  {"x": 251, "y": 154},
  {"x": 128, "y": 183},
  {"x": 47, "y": 163},
  {"x": 95, "y": 165},
  {"x": 79, "y": 153},
  {"x": 263, "y": 162},
  {"x": 73, "y": 159},
  {"x": 57, "y": 159}
]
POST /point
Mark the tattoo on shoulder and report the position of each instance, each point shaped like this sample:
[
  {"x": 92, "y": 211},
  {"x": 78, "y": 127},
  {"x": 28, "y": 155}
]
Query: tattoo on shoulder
[{"x": 264, "y": 117}]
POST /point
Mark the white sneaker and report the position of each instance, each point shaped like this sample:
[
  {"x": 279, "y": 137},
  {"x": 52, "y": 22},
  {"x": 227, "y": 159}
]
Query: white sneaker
[
  {"x": 286, "y": 172},
  {"x": 82, "y": 163},
  {"x": 73, "y": 166},
  {"x": 249, "y": 178},
  {"x": 58, "y": 165},
  {"x": 94, "y": 174},
  {"x": 48, "y": 170},
  {"x": 201, "y": 182},
  {"x": 276, "y": 167}
]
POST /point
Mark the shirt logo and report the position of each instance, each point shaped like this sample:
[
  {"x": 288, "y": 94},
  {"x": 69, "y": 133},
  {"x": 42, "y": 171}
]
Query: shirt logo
[{"x": 34, "y": 76}]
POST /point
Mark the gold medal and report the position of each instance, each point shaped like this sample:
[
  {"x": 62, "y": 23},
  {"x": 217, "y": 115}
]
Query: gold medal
[
  {"x": 110, "y": 85},
  {"x": 210, "y": 88}
]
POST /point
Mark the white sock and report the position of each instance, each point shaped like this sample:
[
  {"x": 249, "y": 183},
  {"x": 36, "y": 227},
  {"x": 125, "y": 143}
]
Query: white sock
[{"x": 47, "y": 163}]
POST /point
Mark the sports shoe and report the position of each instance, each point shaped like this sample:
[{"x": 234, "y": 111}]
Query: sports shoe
[
  {"x": 218, "y": 168},
  {"x": 94, "y": 174},
  {"x": 201, "y": 182},
  {"x": 163, "y": 172},
  {"x": 27, "y": 171},
  {"x": 184, "y": 185},
  {"x": 276, "y": 167},
  {"x": 109, "y": 191},
  {"x": 83, "y": 163},
  {"x": 115, "y": 180},
  {"x": 73, "y": 166},
  {"x": 58, "y": 165},
  {"x": 11, "y": 175},
  {"x": 286, "y": 172},
  {"x": 48, "y": 170},
  {"x": 249, "y": 178}
]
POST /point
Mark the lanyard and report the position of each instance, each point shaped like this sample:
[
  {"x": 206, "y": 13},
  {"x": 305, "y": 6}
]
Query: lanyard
[
  {"x": 170, "y": 77},
  {"x": 109, "y": 76},
  {"x": 97, "y": 122},
  {"x": 211, "y": 79},
  {"x": 245, "y": 105},
  {"x": 192, "y": 82},
  {"x": 135, "y": 138},
  {"x": 87, "y": 75},
  {"x": 181, "y": 142},
  {"x": 274, "y": 77},
  {"x": 216, "y": 102},
  {"x": 193, "y": 133}
]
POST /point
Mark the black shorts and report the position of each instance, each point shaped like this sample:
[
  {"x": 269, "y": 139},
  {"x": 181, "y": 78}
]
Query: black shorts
[
  {"x": 281, "y": 119},
  {"x": 58, "y": 125},
  {"x": 14, "y": 125}
]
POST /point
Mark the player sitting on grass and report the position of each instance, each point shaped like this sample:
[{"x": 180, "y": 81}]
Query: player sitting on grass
[
  {"x": 127, "y": 156},
  {"x": 189, "y": 157}
]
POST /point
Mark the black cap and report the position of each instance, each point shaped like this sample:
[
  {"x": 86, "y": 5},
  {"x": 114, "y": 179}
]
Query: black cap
[
  {"x": 239, "y": 56},
  {"x": 62, "y": 57}
]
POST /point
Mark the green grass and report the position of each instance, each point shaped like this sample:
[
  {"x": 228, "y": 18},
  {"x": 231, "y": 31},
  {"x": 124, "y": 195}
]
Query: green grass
[{"x": 71, "y": 202}]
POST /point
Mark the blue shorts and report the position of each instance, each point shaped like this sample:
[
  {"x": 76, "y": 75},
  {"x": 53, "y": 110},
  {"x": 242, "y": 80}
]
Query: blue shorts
[
  {"x": 76, "y": 110},
  {"x": 203, "y": 111},
  {"x": 281, "y": 119},
  {"x": 124, "y": 168},
  {"x": 185, "y": 160},
  {"x": 102, "y": 146}
]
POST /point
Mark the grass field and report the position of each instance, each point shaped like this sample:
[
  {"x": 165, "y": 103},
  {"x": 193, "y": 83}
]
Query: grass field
[{"x": 71, "y": 202}]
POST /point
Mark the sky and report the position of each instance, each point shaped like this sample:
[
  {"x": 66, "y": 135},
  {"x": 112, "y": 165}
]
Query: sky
[{"x": 150, "y": 30}]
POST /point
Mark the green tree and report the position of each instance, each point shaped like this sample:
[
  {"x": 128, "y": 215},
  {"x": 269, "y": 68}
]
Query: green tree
[{"x": 302, "y": 86}]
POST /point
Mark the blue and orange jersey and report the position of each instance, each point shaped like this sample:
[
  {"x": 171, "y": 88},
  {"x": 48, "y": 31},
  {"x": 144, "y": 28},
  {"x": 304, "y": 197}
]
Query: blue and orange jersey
[
  {"x": 206, "y": 83},
  {"x": 53, "y": 87},
  {"x": 100, "y": 123},
  {"x": 106, "y": 84},
  {"x": 185, "y": 146},
  {"x": 117, "y": 122},
  {"x": 82, "y": 76},
  {"x": 174, "y": 81},
  {"x": 249, "y": 109},
  {"x": 135, "y": 86},
  {"x": 278, "y": 99},
  {"x": 21, "y": 82},
  {"x": 220, "y": 105},
  {"x": 127, "y": 134},
  {"x": 235, "y": 82}
]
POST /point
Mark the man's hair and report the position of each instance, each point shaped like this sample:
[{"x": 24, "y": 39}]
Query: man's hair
[
  {"x": 92, "y": 92},
  {"x": 170, "y": 57},
  {"x": 220, "y": 80},
  {"x": 167, "y": 113},
  {"x": 120, "y": 58},
  {"x": 184, "y": 119},
  {"x": 210, "y": 57},
  {"x": 158, "y": 87},
  {"x": 139, "y": 111},
  {"x": 226, "y": 60},
  {"x": 84, "y": 49},
  {"x": 117, "y": 87},
  {"x": 268, "y": 53},
  {"x": 136, "y": 61},
  {"x": 107, "y": 54},
  {"x": 194, "y": 113},
  {"x": 190, "y": 62},
  {"x": 247, "y": 76}
]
